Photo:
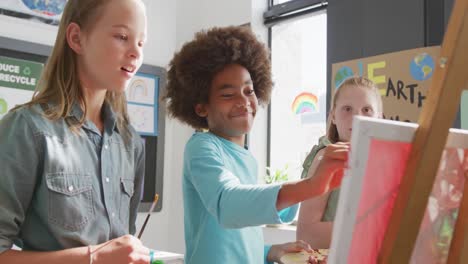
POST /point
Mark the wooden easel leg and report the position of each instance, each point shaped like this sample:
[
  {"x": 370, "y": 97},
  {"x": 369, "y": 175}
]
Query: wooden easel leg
[{"x": 436, "y": 118}]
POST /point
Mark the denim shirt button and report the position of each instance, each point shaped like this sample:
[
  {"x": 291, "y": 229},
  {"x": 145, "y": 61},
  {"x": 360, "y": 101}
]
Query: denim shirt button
[
  {"x": 107, "y": 179},
  {"x": 106, "y": 146},
  {"x": 70, "y": 188}
]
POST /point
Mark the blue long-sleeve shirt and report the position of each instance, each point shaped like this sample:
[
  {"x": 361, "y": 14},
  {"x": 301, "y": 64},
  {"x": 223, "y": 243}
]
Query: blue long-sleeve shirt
[{"x": 224, "y": 205}]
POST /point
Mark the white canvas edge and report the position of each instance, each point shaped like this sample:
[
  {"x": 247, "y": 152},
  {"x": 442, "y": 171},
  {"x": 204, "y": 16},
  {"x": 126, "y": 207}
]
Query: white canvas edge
[{"x": 365, "y": 129}]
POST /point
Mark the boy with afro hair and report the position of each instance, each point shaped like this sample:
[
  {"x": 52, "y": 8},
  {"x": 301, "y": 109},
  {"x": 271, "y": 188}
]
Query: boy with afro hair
[{"x": 215, "y": 83}]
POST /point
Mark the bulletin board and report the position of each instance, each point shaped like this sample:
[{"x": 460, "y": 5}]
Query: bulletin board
[{"x": 403, "y": 79}]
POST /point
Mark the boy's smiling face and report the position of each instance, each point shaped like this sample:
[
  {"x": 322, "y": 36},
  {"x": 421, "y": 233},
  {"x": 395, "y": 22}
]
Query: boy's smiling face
[{"x": 232, "y": 104}]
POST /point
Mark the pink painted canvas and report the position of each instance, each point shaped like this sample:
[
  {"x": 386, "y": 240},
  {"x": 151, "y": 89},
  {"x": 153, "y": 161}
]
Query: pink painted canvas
[{"x": 384, "y": 171}]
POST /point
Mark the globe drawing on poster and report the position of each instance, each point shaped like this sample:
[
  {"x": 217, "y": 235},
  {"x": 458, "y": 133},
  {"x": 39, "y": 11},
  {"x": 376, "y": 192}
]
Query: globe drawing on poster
[
  {"x": 46, "y": 11},
  {"x": 48, "y": 8},
  {"x": 342, "y": 74},
  {"x": 422, "y": 67}
]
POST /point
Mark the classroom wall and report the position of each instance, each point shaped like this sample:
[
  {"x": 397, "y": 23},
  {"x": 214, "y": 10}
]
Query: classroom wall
[
  {"x": 161, "y": 31},
  {"x": 364, "y": 28},
  {"x": 21, "y": 29}
]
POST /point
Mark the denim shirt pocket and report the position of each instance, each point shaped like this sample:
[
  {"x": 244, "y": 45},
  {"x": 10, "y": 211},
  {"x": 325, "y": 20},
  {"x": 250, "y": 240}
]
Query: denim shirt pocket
[
  {"x": 127, "y": 189},
  {"x": 70, "y": 199}
]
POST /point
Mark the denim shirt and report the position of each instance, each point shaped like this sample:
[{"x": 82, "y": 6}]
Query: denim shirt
[{"x": 61, "y": 188}]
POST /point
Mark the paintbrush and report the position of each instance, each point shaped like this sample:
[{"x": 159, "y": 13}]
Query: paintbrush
[{"x": 155, "y": 201}]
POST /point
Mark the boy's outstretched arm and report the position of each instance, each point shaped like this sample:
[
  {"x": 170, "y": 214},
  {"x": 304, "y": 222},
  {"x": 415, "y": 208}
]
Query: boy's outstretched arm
[{"x": 234, "y": 204}]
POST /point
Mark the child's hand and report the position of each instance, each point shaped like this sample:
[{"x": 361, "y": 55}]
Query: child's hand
[
  {"x": 313, "y": 260},
  {"x": 278, "y": 251},
  {"x": 124, "y": 249},
  {"x": 332, "y": 162}
]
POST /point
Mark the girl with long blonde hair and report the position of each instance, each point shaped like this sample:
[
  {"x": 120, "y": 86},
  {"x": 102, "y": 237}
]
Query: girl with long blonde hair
[{"x": 72, "y": 165}]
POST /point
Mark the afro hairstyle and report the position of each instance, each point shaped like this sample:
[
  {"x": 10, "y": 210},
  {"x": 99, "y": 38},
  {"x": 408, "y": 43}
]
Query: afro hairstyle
[{"x": 193, "y": 68}]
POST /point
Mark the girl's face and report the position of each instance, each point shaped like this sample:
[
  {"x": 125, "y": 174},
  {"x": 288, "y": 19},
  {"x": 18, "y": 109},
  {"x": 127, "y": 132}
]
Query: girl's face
[
  {"x": 354, "y": 100},
  {"x": 232, "y": 104},
  {"x": 111, "y": 49}
]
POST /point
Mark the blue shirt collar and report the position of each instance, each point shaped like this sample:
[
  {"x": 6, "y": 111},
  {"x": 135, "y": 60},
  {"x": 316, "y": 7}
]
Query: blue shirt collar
[{"x": 109, "y": 117}]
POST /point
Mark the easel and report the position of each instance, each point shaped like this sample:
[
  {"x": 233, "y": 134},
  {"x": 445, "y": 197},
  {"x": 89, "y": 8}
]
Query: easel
[{"x": 438, "y": 113}]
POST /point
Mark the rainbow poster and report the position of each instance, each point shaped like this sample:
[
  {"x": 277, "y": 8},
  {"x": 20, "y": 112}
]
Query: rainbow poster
[
  {"x": 305, "y": 103},
  {"x": 142, "y": 94}
]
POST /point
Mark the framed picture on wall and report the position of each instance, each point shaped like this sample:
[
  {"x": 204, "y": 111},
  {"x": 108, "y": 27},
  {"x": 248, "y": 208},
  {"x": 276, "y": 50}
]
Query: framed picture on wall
[{"x": 42, "y": 11}]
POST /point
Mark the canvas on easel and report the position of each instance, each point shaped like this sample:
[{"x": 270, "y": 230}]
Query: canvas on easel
[
  {"x": 379, "y": 152},
  {"x": 402, "y": 212},
  {"x": 404, "y": 198}
]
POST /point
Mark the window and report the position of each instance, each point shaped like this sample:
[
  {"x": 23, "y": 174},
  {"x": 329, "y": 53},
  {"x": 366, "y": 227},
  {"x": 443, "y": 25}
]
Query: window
[{"x": 298, "y": 106}]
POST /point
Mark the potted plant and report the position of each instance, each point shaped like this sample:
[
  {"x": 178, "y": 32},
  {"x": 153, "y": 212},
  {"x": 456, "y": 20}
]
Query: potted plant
[{"x": 276, "y": 176}]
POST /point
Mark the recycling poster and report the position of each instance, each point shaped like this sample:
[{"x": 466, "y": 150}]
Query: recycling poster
[{"x": 18, "y": 80}]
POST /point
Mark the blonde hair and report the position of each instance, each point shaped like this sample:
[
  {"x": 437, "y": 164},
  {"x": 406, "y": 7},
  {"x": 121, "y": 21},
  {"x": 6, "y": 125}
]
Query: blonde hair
[
  {"x": 332, "y": 133},
  {"x": 60, "y": 85}
]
